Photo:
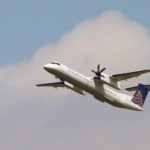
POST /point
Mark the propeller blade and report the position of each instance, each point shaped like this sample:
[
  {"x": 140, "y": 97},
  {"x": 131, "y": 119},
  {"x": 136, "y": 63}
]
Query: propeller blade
[
  {"x": 102, "y": 70},
  {"x": 98, "y": 68},
  {"x": 98, "y": 73},
  {"x": 93, "y": 71}
]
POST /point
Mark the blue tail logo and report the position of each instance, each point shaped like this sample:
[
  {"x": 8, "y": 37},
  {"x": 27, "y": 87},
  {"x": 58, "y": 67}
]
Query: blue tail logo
[{"x": 140, "y": 95}]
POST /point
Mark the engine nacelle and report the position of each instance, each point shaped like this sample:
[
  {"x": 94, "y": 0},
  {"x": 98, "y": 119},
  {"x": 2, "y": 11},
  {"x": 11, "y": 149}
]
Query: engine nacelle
[
  {"x": 110, "y": 81},
  {"x": 74, "y": 88}
]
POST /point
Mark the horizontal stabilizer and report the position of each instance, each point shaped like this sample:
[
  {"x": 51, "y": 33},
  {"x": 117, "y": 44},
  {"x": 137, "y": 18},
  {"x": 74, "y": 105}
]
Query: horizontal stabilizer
[{"x": 136, "y": 87}]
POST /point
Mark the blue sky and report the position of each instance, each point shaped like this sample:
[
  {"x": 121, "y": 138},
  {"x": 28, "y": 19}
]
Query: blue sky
[{"x": 27, "y": 25}]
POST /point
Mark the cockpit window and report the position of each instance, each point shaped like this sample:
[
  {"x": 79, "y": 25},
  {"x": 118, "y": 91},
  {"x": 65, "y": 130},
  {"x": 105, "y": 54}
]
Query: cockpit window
[{"x": 55, "y": 63}]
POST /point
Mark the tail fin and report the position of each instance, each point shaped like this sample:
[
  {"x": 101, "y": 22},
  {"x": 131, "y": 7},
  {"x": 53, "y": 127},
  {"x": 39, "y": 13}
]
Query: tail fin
[{"x": 140, "y": 95}]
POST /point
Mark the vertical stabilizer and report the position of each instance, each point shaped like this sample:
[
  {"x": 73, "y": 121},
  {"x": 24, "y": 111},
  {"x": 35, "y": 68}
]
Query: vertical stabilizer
[{"x": 140, "y": 95}]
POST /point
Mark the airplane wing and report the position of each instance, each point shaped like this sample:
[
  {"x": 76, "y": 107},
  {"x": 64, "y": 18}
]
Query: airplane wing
[
  {"x": 125, "y": 76},
  {"x": 62, "y": 84},
  {"x": 55, "y": 84}
]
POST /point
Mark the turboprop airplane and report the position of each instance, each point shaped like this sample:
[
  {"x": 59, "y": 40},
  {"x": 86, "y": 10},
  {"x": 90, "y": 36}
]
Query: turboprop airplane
[{"x": 104, "y": 87}]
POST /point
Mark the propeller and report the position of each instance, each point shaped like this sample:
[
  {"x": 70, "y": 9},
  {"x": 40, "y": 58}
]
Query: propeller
[{"x": 98, "y": 73}]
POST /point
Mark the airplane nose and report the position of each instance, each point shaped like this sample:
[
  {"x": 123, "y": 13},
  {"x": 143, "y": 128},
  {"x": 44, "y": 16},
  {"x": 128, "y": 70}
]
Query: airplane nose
[{"x": 46, "y": 67}]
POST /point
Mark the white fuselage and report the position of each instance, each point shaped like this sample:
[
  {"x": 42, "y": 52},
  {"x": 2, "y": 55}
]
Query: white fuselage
[{"x": 99, "y": 89}]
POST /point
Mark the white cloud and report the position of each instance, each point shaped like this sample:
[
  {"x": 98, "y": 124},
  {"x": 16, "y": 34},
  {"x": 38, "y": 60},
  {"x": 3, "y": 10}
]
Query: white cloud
[{"x": 43, "y": 118}]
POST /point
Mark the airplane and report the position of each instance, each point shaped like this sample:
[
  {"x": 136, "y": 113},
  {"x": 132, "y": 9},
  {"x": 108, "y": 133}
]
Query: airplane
[{"x": 104, "y": 87}]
